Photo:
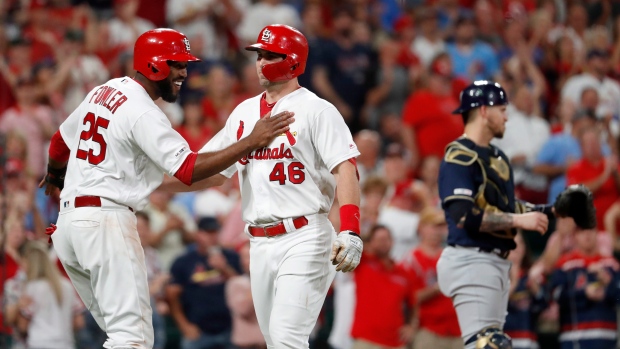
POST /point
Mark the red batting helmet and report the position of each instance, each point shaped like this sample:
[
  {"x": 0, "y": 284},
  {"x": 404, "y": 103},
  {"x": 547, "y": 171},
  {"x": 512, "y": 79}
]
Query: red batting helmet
[
  {"x": 285, "y": 40},
  {"x": 155, "y": 47}
]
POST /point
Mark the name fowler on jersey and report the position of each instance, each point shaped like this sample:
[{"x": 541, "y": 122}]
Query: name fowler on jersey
[
  {"x": 107, "y": 96},
  {"x": 267, "y": 154}
]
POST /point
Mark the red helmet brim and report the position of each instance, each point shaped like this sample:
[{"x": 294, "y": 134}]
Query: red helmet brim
[{"x": 182, "y": 57}]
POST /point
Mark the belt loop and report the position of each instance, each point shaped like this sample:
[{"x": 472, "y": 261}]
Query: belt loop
[{"x": 288, "y": 225}]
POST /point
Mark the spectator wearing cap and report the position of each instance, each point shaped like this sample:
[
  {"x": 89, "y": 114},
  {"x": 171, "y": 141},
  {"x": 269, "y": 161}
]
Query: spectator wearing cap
[
  {"x": 428, "y": 123},
  {"x": 437, "y": 324},
  {"x": 597, "y": 172},
  {"x": 405, "y": 33},
  {"x": 562, "y": 150},
  {"x": 196, "y": 292},
  {"x": 472, "y": 59},
  {"x": 595, "y": 76},
  {"x": 380, "y": 321},
  {"x": 429, "y": 41}
]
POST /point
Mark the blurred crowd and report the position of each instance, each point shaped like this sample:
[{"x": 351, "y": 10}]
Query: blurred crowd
[{"x": 394, "y": 70}]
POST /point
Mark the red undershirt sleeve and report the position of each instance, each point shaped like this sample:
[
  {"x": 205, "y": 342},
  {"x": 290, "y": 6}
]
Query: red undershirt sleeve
[
  {"x": 58, "y": 148},
  {"x": 186, "y": 171},
  {"x": 354, "y": 162}
]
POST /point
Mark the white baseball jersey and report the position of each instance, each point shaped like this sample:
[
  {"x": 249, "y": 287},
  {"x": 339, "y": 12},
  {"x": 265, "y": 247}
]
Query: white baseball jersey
[
  {"x": 290, "y": 177},
  {"x": 121, "y": 144}
]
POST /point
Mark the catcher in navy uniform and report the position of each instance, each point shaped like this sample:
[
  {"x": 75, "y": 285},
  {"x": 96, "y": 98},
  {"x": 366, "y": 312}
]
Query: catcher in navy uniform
[{"x": 477, "y": 192}]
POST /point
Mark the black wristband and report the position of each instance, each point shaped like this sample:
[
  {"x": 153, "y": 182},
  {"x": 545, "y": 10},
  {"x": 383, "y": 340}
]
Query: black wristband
[
  {"x": 56, "y": 176},
  {"x": 546, "y": 209}
]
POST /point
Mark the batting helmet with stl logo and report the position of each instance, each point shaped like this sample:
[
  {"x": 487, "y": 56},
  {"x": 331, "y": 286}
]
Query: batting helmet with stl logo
[
  {"x": 284, "y": 40},
  {"x": 155, "y": 48}
]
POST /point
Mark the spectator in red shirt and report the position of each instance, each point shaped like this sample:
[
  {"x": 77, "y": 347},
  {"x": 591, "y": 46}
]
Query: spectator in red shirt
[
  {"x": 382, "y": 289},
  {"x": 194, "y": 128},
  {"x": 427, "y": 116},
  {"x": 437, "y": 321},
  {"x": 596, "y": 172}
]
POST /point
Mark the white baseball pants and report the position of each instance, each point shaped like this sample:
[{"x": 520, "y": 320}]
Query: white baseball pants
[
  {"x": 290, "y": 275},
  {"x": 100, "y": 250}
]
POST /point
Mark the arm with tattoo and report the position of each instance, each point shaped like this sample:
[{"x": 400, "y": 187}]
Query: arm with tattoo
[{"x": 494, "y": 221}]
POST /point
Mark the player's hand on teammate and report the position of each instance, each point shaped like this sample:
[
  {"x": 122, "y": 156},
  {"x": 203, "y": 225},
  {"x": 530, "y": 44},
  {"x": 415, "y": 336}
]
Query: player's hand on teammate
[
  {"x": 269, "y": 127},
  {"x": 532, "y": 221},
  {"x": 346, "y": 251}
]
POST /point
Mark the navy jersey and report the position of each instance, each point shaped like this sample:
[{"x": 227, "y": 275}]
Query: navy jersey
[
  {"x": 483, "y": 176},
  {"x": 523, "y": 310},
  {"x": 203, "y": 298},
  {"x": 591, "y": 324}
]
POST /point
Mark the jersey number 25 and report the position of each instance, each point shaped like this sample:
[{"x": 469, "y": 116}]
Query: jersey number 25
[{"x": 94, "y": 123}]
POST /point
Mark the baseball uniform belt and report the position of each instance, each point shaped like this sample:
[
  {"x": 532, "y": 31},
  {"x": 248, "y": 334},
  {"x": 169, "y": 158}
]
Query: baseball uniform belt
[
  {"x": 276, "y": 229},
  {"x": 90, "y": 201},
  {"x": 503, "y": 254}
]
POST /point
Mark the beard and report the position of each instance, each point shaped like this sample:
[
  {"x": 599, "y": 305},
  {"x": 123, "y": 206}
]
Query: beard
[
  {"x": 498, "y": 134},
  {"x": 165, "y": 90}
]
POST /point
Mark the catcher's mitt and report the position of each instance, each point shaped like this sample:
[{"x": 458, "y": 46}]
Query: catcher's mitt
[{"x": 576, "y": 202}]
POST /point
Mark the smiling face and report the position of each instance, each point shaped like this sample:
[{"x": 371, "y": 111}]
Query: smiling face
[
  {"x": 263, "y": 58},
  {"x": 170, "y": 86}
]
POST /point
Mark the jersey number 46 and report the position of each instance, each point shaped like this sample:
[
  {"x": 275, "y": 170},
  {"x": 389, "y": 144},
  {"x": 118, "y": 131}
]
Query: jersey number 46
[
  {"x": 94, "y": 123},
  {"x": 296, "y": 175}
]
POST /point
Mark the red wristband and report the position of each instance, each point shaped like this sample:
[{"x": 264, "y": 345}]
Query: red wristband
[{"x": 350, "y": 218}]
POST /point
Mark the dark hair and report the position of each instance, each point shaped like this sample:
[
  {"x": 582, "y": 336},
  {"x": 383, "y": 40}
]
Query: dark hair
[
  {"x": 373, "y": 230},
  {"x": 465, "y": 116}
]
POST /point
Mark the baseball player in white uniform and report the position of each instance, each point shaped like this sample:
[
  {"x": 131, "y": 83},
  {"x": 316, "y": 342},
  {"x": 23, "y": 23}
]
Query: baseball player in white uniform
[
  {"x": 109, "y": 155},
  {"x": 287, "y": 190}
]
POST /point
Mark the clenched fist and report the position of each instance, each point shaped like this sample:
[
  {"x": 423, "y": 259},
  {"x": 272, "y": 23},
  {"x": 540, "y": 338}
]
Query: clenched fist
[{"x": 346, "y": 251}]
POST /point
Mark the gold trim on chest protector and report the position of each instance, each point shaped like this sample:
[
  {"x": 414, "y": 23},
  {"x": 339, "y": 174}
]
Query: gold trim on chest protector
[{"x": 501, "y": 167}]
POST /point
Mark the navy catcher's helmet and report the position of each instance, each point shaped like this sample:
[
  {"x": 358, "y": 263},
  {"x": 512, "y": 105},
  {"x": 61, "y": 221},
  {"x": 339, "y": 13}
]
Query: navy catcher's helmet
[
  {"x": 479, "y": 93},
  {"x": 493, "y": 338}
]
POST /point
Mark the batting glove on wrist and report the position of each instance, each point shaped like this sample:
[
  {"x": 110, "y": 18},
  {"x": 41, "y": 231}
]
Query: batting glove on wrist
[{"x": 346, "y": 251}]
